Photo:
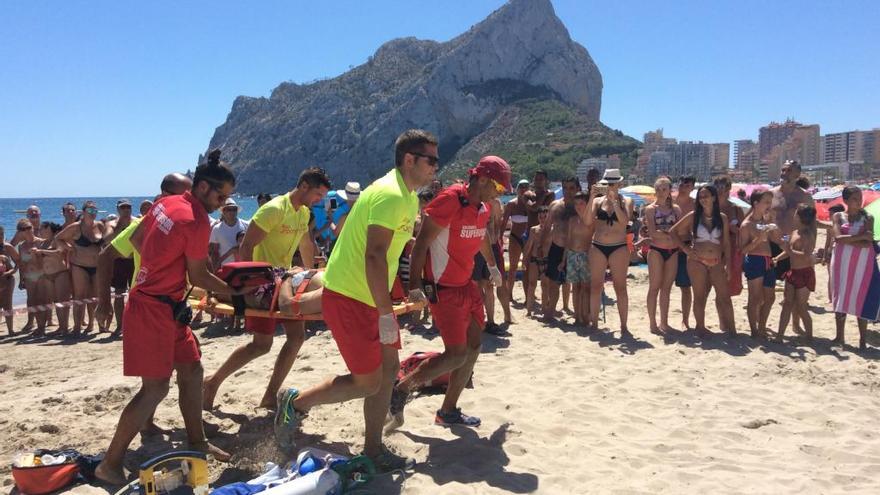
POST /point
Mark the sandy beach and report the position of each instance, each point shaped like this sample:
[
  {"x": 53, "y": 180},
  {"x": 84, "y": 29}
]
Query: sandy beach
[{"x": 562, "y": 411}]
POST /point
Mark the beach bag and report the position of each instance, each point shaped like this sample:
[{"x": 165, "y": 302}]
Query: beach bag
[
  {"x": 240, "y": 274},
  {"x": 32, "y": 478}
]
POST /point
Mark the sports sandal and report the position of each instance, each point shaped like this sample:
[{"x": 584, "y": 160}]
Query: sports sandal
[{"x": 455, "y": 417}]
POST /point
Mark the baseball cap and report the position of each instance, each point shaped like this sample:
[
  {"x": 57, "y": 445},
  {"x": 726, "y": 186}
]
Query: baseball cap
[{"x": 495, "y": 168}]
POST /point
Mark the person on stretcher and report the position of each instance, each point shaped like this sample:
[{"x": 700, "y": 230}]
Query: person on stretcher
[{"x": 299, "y": 293}]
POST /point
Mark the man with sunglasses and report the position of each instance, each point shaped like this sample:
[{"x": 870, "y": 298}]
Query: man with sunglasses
[
  {"x": 276, "y": 230},
  {"x": 453, "y": 231},
  {"x": 173, "y": 243},
  {"x": 357, "y": 303}
]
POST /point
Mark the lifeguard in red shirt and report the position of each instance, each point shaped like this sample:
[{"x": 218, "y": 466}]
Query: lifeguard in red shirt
[
  {"x": 173, "y": 243},
  {"x": 453, "y": 231}
]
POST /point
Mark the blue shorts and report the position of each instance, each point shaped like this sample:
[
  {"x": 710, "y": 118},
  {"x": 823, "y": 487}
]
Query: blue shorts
[
  {"x": 681, "y": 276},
  {"x": 757, "y": 266}
]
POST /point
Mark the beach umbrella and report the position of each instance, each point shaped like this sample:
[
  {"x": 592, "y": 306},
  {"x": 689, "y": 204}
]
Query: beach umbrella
[
  {"x": 828, "y": 194},
  {"x": 636, "y": 199},
  {"x": 646, "y": 192},
  {"x": 869, "y": 197},
  {"x": 748, "y": 188},
  {"x": 738, "y": 202}
]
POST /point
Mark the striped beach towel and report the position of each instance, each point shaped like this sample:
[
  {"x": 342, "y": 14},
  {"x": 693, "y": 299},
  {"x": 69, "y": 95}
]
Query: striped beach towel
[{"x": 855, "y": 278}]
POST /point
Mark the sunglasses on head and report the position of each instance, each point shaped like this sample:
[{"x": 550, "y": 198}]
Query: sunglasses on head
[{"x": 432, "y": 160}]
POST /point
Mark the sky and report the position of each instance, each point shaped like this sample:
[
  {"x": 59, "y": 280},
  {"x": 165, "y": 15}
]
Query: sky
[{"x": 102, "y": 98}]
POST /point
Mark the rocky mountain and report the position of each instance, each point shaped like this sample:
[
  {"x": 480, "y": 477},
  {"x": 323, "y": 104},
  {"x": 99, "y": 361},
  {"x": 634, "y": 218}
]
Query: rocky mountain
[{"x": 457, "y": 89}]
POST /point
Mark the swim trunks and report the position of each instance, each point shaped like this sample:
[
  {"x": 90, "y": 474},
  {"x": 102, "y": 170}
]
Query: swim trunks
[
  {"x": 682, "y": 279},
  {"x": 153, "y": 342},
  {"x": 554, "y": 258},
  {"x": 801, "y": 278},
  {"x": 757, "y": 266},
  {"x": 577, "y": 267},
  {"x": 454, "y": 310},
  {"x": 355, "y": 328}
]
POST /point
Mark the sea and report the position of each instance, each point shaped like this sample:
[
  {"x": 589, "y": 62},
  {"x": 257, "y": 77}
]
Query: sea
[{"x": 13, "y": 209}]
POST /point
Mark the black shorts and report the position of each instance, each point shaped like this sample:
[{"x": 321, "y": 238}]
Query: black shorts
[
  {"x": 554, "y": 258},
  {"x": 783, "y": 266}
]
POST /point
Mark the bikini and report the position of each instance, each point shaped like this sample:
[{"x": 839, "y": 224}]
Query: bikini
[
  {"x": 607, "y": 249},
  {"x": 517, "y": 220},
  {"x": 663, "y": 220},
  {"x": 84, "y": 242},
  {"x": 704, "y": 235}
]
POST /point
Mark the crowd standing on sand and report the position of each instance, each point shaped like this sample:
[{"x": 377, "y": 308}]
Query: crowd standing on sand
[{"x": 445, "y": 246}]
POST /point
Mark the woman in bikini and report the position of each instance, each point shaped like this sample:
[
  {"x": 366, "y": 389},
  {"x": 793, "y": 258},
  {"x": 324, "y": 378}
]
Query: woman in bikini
[
  {"x": 7, "y": 277},
  {"x": 55, "y": 282},
  {"x": 662, "y": 256},
  {"x": 707, "y": 258},
  {"x": 299, "y": 293},
  {"x": 758, "y": 262},
  {"x": 609, "y": 215},
  {"x": 516, "y": 211},
  {"x": 800, "y": 281},
  {"x": 84, "y": 238},
  {"x": 536, "y": 264},
  {"x": 31, "y": 271}
]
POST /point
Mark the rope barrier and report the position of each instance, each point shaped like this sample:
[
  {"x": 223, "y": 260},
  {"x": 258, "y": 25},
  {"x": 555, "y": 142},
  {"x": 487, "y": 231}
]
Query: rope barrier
[{"x": 23, "y": 310}]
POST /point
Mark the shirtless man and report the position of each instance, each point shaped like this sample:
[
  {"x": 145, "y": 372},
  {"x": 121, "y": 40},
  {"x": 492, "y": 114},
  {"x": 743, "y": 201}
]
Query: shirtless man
[
  {"x": 123, "y": 268},
  {"x": 787, "y": 196},
  {"x": 576, "y": 262},
  {"x": 561, "y": 211},
  {"x": 516, "y": 211},
  {"x": 539, "y": 197},
  {"x": 682, "y": 280},
  {"x": 495, "y": 233},
  {"x": 536, "y": 263}
]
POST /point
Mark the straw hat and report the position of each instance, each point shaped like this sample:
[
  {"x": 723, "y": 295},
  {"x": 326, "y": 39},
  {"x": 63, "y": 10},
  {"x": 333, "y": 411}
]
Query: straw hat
[
  {"x": 612, "y": 176},
  {"x": 352, "y": 189}
]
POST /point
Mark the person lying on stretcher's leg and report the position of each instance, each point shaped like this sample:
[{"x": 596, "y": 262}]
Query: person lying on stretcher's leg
[{"x": 309, "y": 300}]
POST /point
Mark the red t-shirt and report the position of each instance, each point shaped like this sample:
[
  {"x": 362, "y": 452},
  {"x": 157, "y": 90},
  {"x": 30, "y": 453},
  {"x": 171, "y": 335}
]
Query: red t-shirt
[
  {"x": 451, "y": 255},
  {"x": 177, "y": 229}
]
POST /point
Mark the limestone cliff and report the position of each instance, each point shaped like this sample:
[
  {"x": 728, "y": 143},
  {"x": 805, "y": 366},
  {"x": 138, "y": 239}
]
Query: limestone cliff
[{"x": 454, "y": 89}]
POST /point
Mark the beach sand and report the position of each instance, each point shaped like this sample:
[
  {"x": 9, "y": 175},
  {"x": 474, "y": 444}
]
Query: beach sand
[{"x": 562, "y": 411}]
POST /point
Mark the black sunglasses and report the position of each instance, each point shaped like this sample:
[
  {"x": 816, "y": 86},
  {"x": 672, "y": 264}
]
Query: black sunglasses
[{"x": 432, "y": 160}]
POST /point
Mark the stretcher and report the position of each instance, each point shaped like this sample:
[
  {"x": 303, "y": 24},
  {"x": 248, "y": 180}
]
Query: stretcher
[{"x": 198, "y": 300}]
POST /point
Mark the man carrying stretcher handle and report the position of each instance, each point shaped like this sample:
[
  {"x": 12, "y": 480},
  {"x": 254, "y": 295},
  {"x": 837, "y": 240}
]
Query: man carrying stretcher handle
[
  {"x": 275, "y": 231},
  {"x": 357, "y": 298},
  {"x": 453, "y": 230},
  {"x": 173, "y": 243}
]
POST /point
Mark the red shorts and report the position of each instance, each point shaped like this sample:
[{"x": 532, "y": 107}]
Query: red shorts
[
  {"x": 153, "y": 342},
  {"x": 454, "y": 310},
  {"x": 355, "y": 328},
  {"x": 801, "y": 278},
  {"x": 257, "y": 324}
]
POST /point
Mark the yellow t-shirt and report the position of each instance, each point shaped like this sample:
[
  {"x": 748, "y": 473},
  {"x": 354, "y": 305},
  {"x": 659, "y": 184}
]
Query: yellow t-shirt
[
  {"x": 386, "y": 203},
  {"x": 122, "y": 244},
  {"x": 284, "y": 228}
]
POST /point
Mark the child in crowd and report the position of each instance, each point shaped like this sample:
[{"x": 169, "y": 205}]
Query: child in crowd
[
  {"x": 537, "y": 263},
  {"x": 800, "y": 281}
]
